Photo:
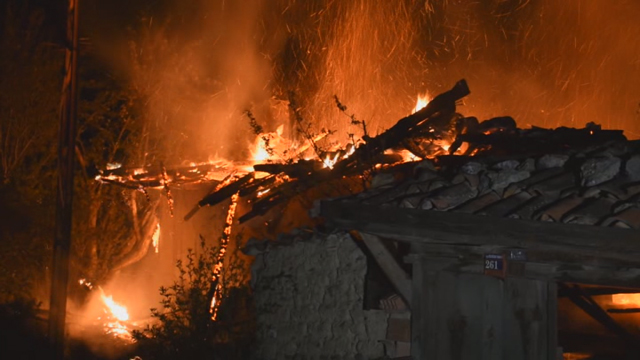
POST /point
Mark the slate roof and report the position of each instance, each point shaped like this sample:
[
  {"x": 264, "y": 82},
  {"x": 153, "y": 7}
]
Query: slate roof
[{"x": 592, "y": 186}]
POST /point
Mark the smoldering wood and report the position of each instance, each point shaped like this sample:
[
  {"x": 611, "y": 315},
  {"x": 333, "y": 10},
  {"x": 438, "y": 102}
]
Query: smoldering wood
[
  {"x": 437, "y": 114},
  {"x": 220, "y": 195},
  {"x": 298, "y": 169},
  {"x": 257, "y": 184},
  {"x": 498, "y": 136}
]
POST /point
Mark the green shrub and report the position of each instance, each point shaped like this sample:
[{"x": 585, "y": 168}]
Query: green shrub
[{"x": 184, "y": 328}]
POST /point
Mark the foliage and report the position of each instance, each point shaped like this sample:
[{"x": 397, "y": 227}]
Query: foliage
[
  {"x": 30, "y": 84},
  {"x": 185, "y": 329},
  {"x": 108, "y": 132}
]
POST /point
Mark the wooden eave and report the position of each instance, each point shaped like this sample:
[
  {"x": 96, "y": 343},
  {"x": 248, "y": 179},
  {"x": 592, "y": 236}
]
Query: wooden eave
[{"x": 458, "y": 241}]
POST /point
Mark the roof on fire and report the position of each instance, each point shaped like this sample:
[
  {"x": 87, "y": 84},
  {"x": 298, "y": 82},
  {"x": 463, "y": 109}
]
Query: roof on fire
[{"x": 597, "y": 185}]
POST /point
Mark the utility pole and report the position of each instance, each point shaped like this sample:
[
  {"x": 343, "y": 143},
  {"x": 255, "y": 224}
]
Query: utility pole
[{"x": 64, "y": 198}]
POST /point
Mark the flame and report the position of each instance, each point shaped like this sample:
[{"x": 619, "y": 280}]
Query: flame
[
  {"x": 265, "y": 145},
  {"x": 423, "y": 100},
  {"x": 626, "y": 299},
  {"x": 156, "y": 238},
  {"x": 332, "y": 157},
  {"x": 116, "y": 316},
  {"x": 406, "y": 155},
  {"x": 217, "y": 268},
  {"x": 330, "y": 160},
  {"x": 118, "y": 311}
]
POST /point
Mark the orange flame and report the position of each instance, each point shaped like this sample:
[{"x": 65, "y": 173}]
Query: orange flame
[
  {"x": 217, "y": 269},
  {"x": 117, "y": 314},
  {"x": 423, "y": 100},
  {"x": 626, "y": 299},
  {"x": 263, "y": 151},
  {"x": 118, "y": 311},
  {"x": 156, "y": 238},
  {"x": 406, "y": 155}
]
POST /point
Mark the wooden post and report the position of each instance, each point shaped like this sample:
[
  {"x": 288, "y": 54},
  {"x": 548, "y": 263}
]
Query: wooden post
[
  {"x": 388, "y": 264},
  {"x": 64, "y": 198}
]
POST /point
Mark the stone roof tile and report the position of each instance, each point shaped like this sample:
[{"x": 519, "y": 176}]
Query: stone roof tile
[
  {"x": 628, "y": 218},
  {"x": 589, "y": 212},
  {"x": 478, "y": 203},
  {"x": 506, "y": 206},
  {"x": 599, "y": 185},
  {"x": 452, "y": 196},
  {"x": 556, "y": 210}
]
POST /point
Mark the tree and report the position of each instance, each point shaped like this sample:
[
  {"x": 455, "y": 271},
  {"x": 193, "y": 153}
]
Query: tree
[
  {"x": 111, "y": 229},
  {"x": 30, "y": 79}
]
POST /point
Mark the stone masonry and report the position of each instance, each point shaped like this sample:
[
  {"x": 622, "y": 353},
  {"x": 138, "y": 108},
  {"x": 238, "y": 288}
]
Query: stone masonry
[{"x": 309, "y": 302}]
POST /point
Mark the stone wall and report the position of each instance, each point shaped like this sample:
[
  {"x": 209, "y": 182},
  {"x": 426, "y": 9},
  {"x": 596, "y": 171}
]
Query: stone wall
[{"x": 309, "y": 298}]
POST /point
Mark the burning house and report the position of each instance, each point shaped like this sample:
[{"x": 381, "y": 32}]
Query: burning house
[
  {"x": 281, "y": 138},
  {"x": 441, "y": 235}
]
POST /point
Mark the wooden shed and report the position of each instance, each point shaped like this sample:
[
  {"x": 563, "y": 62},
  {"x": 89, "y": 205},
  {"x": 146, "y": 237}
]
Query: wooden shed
[{"x": 493, "y": 242}]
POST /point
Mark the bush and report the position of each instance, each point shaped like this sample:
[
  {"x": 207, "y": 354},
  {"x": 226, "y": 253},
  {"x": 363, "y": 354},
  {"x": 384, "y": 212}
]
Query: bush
[{"x": 185, "y": 329}]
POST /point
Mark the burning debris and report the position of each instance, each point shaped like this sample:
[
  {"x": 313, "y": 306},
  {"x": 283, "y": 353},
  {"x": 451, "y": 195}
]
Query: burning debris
[
  {"x": 433, "y": 130},
  {"x": 216, "y": 285},
  {"x": 115, "y": 315},
  {"x": 271, "y": 184},
  {"x": 155, "y": 239}
]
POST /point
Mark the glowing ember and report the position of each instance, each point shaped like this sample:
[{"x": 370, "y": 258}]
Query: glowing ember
[
  {"x": 626, "y": 299},
  {"x": 86, "y": 283},
  {"x": 217, "y": 269},
  {"x": 113, "y": 166},
  {"x": 118, "y": 330},
  {"x": 444, "y": 144},
  {"x": 406, "y": 155},
  {"x": 423, "y": 100},
  {"x": 156, "y": 239},
  {"x": 576, "y": 356}
]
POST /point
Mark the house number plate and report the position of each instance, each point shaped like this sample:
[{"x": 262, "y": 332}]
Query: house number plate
[{"x": 494, "y": 265}]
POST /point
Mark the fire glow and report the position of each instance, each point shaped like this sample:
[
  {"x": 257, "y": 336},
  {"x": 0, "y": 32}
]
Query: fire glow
[
  {"x": 626, "y": 299},
  {"x": 422, "y": 102},
  {"x": 217, "y": 270},
  {"x": 115, "y": 317},
  {"x": 156, "y": 239}
]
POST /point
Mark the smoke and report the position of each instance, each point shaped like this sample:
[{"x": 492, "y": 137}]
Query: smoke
[{"x": 198, "y": 65}]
